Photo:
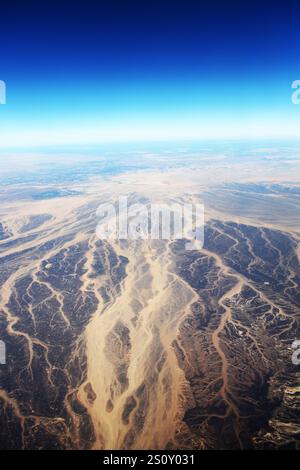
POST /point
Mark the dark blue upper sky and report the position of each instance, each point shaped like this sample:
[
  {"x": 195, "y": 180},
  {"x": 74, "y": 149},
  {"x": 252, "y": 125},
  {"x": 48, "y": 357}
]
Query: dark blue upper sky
[{"x": 85, "y": 71}]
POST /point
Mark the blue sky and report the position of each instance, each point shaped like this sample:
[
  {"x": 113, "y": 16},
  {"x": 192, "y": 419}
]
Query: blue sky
[{"x": 89, "y": 73}]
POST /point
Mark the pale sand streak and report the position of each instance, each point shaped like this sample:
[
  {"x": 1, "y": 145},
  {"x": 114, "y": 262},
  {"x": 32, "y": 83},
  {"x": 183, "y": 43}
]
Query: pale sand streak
[{"x": 155, "y": 313}]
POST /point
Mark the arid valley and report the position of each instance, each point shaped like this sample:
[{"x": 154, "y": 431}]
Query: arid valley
[{"x": 142, "y": 344}]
